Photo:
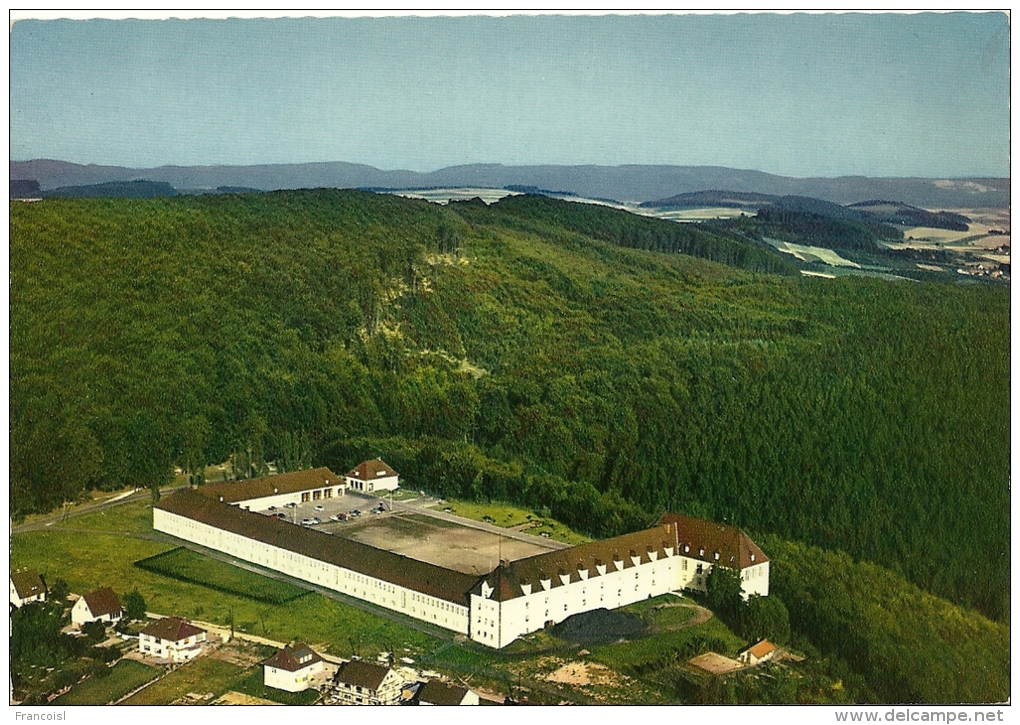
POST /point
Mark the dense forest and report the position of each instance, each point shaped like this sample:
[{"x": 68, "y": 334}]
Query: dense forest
[{"x": 534, "y": 351}]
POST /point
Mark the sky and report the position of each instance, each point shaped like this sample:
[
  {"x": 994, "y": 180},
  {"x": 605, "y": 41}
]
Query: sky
[{"x": 798, "y": 95}]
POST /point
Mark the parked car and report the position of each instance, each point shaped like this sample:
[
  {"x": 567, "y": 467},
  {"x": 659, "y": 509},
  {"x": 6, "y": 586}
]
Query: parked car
[
  {"x": 272, "y": 508},
  {"x": 291, "y": 505},
  {"x": 319, "y": 507},
  {"x": 316, "y": 520},
  {"x": 306, "y": 522},
  {"x": 281, "y": 516},
  {"x": 355, "y": 512}
]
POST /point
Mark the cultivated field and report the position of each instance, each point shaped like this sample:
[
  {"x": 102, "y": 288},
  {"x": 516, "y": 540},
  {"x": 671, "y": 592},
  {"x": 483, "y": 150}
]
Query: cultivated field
[{"x": 443, "y": 543}]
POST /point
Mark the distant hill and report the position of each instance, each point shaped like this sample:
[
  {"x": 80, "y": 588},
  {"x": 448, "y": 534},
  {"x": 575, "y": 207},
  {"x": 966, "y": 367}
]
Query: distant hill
[
  {"x": 139, "y": 189},
  {"x": 625, "y": 183}
]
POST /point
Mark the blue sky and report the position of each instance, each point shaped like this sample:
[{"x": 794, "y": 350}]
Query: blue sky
[{"x": 800, "y": 95}]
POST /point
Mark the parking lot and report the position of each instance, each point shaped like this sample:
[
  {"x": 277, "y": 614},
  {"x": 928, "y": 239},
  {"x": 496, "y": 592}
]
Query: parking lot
[{"x": 343, "y": 506}]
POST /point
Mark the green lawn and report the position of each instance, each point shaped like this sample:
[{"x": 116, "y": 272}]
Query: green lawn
[
  {"x": 254, "y": 685},
  {"x": 185, "y": 565},
  {"x": 90, "y": 560},
  {"x": 134, "y": 517},
  {"x": 125, "y": 676},
  {"x": 203, "y": 675},
  {"x": 508, "y": 516}
]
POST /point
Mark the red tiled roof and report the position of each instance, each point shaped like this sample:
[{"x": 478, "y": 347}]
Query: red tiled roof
[
  {"x": 507, "y": 580},
  {"x": 289, "y": 658},
  {"x": 172, "y": 629},
  {"x": 734, "y": 547},
  {"x": 759, "y": 649},
  {"x": 27, "y": 583},
  {"x": 360, "y": 673},
  {"x": 419, "y": 576},
  {"x": 251, "y": 488},
  {"x": 102, "y": 602},
  {"x": 371, "y": 470}
]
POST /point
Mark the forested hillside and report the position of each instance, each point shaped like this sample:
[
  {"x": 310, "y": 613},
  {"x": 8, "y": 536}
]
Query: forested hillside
[{"x": 524, "y": 351}]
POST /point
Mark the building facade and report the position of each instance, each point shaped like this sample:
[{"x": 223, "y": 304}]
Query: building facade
[
  {"x": 101, "y": 605},
  {"x": 372, "y": 476},
  {"x": 26, "y": 586},
  {"x": 366, "y": 683},
  {"x": 172, "y": 638},
  {"x": 514, "y": 599},
  {"x": 293, "y": 668}
]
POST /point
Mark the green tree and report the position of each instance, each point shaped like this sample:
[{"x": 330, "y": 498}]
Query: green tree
[{"x": 134, "y": 605}]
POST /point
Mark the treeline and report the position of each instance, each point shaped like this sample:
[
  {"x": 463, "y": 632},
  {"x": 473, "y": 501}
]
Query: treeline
[
  {"x": 544, "y": 215},
  {"x": 902, "y": 644},
  {"x": 812, "y": 229},
  {"x": 492, "y": 353}
]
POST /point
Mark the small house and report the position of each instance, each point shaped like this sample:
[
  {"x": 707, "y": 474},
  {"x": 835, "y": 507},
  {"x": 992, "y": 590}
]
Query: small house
[
  {"x": 292, "y": 668},
  {"x": 436, "y": 692},
  {"x": 172, "y": 638},
  {"x": 26, "y": 586},
  {"x": 101, "y": 605},
  {"x": 366, "y": 683},
  {"x": 760, "y": 651},
  {"x": 372, "y": 476}
]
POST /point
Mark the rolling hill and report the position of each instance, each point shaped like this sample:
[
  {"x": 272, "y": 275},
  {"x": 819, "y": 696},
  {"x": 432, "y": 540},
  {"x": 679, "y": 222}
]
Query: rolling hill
[{"x": 625, "y": 183}]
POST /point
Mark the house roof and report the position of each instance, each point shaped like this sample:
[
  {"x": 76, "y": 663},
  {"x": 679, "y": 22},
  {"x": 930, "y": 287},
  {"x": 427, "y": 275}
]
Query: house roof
[
  {"x": 293, "y": 657},
  {"x": 172, "y": 629},
  {"x": 437, "y": 692},
  {"x": 102, "y": 602},
  {"x": 252, "y": 488},
  {"x": 565, "y": 566},
  {"x": 759, "y": 649},
  {"x": 371, "y": 470},
  {"x": 419, "y": 576},
  {"x": 360, "y": 673},
  {"x": 701, "y": 539},
  {"x": 27, "y": 583}
]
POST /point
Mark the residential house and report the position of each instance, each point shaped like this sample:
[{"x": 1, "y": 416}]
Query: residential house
[
  {"x": 292, "y": 668},
  {"x": 101, "y": 605},
  {"x": 437, "y": 692},
  {"x": 372, "y": 476},
  {"x": 171, "y": 638},
  {"x": 26, "y": 586},
  {"x": 760, "y": 651},
  {"x": 365, "y": 683}
]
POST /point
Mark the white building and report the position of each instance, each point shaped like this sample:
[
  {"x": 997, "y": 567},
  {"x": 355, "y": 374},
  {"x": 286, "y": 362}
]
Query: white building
[
  {"x": 26, "y": 586},
  {"x": 101, "y": 605},
  {"x": 704, "y": 544},
  {"x": 760, "y": 651},
  {"x": 372, "y": 476},
  {"x": 293, "y": 668},
  {"x": 366, "y": 683},
  {"x": 172, "y": 638},
  {"x": 313, "y": 484},
  {"x": 514, "y": 599},
  {"x": 437, "y": 692}
]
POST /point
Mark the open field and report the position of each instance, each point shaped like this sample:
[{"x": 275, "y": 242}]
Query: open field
[
  {"x": 87, "y": 560},
  {"x": 202, "y": 676},
  {"x": 464, "y": 549},
  {"x": 812, "y": 254},
  {"x": 185, "y": 565},
  {"x": 509, "y": 516},
  {"x": 125, "y": 676}
]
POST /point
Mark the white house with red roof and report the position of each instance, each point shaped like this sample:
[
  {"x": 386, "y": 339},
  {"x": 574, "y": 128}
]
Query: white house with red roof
[
  {"x": 705, "y": 544},
  {"x": 760, "y": 651},
  {"x": 293, "y": 668},
  {"x": 172, "y": 638},
  {"x": 26, "y": 586},
  {"x": 372, "y": 476},
  {"x": 102, "y": 605}
]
